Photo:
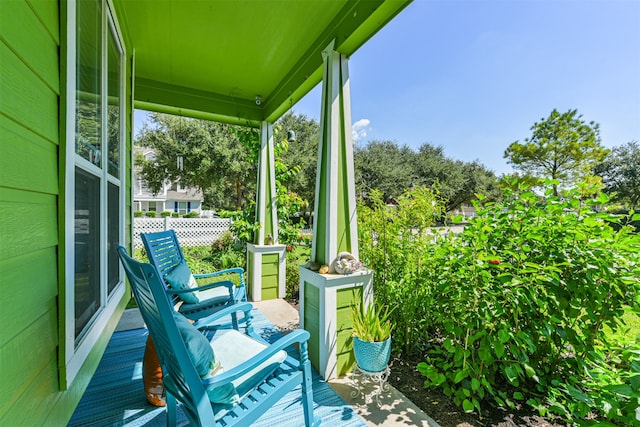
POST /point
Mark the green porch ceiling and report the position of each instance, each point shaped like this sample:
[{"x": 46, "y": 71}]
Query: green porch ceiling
[{"x": 210, "y": 59}]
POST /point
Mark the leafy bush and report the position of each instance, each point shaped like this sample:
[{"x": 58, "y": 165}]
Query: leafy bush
[
  {"x": 192, "y": 214},
  {"x": 392, "y": 241},
  {"x": 228, "y": 251},
  {"x": 151, "y": 214},
  {"x": 206, "y": 259},
  {"x": 175, "y": 214},
  {"x": 165, "y": 214},
  {"x": 297, "y": 256},
  {"x": 290, "y": 223},
  {"x": 228, "y": 214},
  {"x": 517, "y": 304},
  {"x": 138, "y": 214},
  {"x": 244, "y": 225}
]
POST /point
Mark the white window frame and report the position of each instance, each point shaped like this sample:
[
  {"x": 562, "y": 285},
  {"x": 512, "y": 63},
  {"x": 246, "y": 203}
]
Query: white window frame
[{"x": 76, "y": 353}]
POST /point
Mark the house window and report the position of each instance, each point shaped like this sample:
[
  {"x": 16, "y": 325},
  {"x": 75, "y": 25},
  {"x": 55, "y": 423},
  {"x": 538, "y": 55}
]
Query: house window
[{"x": 95, "y": 147}]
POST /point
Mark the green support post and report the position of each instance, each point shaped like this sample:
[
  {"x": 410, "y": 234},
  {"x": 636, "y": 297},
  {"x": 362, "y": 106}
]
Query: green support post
[
  {"x": 266, "y": 259},
  {"x": 325, "y": 299}
]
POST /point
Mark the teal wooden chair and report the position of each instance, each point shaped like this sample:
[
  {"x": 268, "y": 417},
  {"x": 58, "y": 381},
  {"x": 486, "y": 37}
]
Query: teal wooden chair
[
  {"x": 239, "y": 380},
  {"x": 165, "y": 253}
]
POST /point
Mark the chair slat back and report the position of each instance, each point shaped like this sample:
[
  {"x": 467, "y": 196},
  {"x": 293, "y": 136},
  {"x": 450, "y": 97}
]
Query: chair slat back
[
  {"x": 163, "y": 250},
  {"x": 179, "y": 375}
]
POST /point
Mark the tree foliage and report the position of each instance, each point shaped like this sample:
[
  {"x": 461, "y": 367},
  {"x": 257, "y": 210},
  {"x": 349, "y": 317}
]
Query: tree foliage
[
  {"x": 390, "y": 169},
  {"x": 220, "y": 160},
  {"x": 217, "y": 158},
  {"x": 303, "y": 153},
  {"x": 382, "y": 166},
  {"x": 562, "y": 147},
  {"x": 620, "y": 173}
]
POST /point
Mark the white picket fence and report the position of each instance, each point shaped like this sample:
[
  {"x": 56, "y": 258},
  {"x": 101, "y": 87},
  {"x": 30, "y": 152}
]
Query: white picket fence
[{"x": 190, "y": 231}]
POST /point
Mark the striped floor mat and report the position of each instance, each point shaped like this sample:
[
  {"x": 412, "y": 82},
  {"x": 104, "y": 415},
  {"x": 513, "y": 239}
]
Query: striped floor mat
[{"x": 115, "y": 395}]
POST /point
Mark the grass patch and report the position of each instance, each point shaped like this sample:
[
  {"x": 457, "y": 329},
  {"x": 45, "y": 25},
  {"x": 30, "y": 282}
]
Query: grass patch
[{"x": 629, "y": 332}]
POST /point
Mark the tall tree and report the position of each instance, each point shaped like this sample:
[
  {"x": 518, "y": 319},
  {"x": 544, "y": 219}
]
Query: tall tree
[
  {"x": 456, "y": 181},
  {"x": 434, "y": 169},
  {"x": 477, "y": 180},
  {"x": 620, "y": 173},
  {"x": 215, "y": 157},
  {"x": 562, "y": 147},
  {"x": 390, "y": 169},
  {"x": 383, "y": 166}
]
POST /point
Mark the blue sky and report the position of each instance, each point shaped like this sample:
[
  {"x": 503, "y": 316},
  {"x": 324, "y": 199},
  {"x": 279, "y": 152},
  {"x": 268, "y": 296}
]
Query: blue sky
[{"x": 474, "y": 76}]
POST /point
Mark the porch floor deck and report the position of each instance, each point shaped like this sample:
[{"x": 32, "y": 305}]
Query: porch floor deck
[{"x": 115, "y": 395}]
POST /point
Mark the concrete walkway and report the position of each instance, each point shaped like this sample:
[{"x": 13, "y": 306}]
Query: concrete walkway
[{"x": 395, "y": 408}]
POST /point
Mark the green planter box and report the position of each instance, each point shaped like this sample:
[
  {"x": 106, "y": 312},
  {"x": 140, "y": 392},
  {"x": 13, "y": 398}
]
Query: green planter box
[
  {"x": 325, "y": 311},
  {"x": 266, "y": 271}
]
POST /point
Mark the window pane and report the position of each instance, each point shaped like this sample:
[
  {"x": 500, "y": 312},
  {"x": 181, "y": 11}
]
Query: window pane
[
  {"x": 113, "y": 107},
  {"x": 113, "y": 237},
  {"x": 87, "y": 248},
  {"x": 88, "y": 118}
]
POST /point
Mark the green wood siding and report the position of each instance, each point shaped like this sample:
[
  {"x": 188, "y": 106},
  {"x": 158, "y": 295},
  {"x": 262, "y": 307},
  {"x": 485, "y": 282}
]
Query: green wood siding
[
  {"x": 344, "y": 328},
  {"x": 312, "y": 322},
  {"x": 25, "y": 278},
  {"x": 30, "y": 200},
  {"x": 26, "y": 97},
  {"x": 20, "y": 150},
  {"x": 29, "y": 223},
  {"x": 29, "y": 147},
  {"x": 270, "y": 268},
  {"x": 28, "y": 31}
]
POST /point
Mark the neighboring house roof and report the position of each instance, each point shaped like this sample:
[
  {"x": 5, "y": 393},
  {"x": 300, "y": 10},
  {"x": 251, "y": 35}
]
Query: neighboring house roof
[{"x": 187, "y": 195}]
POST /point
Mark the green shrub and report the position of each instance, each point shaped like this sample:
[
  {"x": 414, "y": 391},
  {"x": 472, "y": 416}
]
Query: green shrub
[
  {"x": 296, "y": 256},
  {"x": 392, "y": 241},
  {"x": 228, "y": 252},
  {"x": 517, "y": 307},
  {"x": 192, "y": 214},
  {"x": 175, "y": 214},
  {"x": 165, "y": 214},
  {"x": 138, "y": 214},
  {"x": 228, "y": 214},
  {"x": 151, "y": 214},
  {"x": 201, "y": 259}
]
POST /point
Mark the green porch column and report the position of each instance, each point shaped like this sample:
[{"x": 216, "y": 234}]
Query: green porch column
[
  {"x": 335, "y": 225},
  {"x": 326, "y": 299},
  {"x": 266, "y": 259}
]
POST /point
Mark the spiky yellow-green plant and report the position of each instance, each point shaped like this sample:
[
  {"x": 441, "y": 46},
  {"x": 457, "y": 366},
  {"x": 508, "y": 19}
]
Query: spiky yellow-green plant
[{"x": 370, "y": 323}]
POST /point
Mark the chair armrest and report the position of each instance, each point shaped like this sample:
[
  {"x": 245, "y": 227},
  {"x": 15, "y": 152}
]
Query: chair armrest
[
  {"x": 206, "y": 322},
  {"x": 227, "y": 283},
  {"x": 234, "y": 270},
  {"x": 297, "y": 336}
]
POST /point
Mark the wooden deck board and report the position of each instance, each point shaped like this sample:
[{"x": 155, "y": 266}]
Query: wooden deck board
[{"x": 115, "y": 396}]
